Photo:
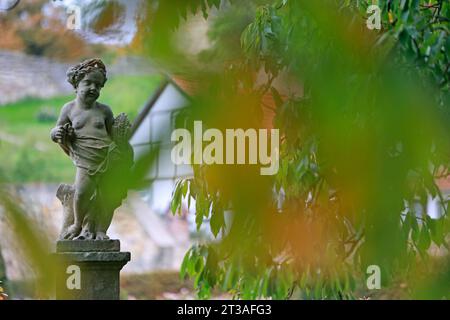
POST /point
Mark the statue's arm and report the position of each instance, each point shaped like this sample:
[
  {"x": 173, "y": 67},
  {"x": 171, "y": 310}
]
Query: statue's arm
[
  {"x": 109, "y": 119},
  {"x": 58, "y": 131}
]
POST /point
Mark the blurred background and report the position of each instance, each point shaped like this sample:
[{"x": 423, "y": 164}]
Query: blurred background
[{"x": 364, "y": 120}]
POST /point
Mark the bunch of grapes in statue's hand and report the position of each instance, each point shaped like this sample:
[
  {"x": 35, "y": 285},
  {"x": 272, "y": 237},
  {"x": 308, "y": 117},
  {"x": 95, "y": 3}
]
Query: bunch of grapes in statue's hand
[
  {"x": 69, "y": 133},
  {"x": 64, "y": 134},
  {"x": 121, "y": 129}
]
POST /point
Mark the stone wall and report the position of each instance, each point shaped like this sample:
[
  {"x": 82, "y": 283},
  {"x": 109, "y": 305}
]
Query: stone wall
[{"x": 24, "y": 76}]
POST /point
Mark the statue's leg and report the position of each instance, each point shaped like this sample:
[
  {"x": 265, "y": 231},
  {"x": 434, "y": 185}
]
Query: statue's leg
[
  {"x": 104, "y": 224},
  {"x": 84, "y": 190},
  {"x": 101, "y": 235},
  {"x": 89, "y": 223},
  {"x": 113, "y": 191},
  {"x": 65, "y": 194}
]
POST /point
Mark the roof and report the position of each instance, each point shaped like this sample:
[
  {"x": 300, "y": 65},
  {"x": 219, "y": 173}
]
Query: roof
[
  {"x": 152, "y": 100},
  {"x": 444, "y": 184}
]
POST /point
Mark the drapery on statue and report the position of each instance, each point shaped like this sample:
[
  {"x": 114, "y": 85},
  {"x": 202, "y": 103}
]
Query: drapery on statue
[{"x": 98, "y": 145}]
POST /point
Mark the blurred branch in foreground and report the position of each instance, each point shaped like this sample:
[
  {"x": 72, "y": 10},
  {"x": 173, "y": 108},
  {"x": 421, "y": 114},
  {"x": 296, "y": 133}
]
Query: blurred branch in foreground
[{"x": 32, "y": 239}]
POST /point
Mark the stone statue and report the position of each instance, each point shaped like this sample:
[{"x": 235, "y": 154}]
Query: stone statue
[{"x": 98, "y": 145}]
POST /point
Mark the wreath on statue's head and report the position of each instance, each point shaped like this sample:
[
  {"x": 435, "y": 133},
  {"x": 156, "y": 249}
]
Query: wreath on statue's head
[{"x": 76, "y": 73}]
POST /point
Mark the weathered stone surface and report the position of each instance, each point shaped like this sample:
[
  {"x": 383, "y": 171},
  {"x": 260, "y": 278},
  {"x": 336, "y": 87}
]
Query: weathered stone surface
[
  {"x": 100, "y": 149},
  {"x": 24, "y": 76},
  {"x": 95, "y": 256},
  {"x": 96, "y": 272},
  {"x": 87, "y": 245}
]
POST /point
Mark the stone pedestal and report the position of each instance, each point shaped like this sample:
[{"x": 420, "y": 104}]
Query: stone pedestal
[{"x": 89, "y": 269}]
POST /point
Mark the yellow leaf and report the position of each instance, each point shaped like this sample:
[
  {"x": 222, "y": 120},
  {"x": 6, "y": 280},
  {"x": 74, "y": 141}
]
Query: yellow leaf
[{"x": 391, "y": 17}]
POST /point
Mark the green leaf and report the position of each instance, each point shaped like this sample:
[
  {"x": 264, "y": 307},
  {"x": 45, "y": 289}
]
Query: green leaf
[
  {"x": 198, "y": 220},
  {"x": 318, "y": 288},
  {"x": 437, "y": 232},
  {"x": 229, "y": 279},
  {"x": 198, "y": 266},
  {"x": 201, "y": 209},
  {"x": 217, "y": 218},
  {"x": 175, "y": 204},
  {"x": 406, "y": 225},
  {"x": 415, "y": 228},
  {"x": 424, "y": 239},
  {"x": 185, "y": 187},
  {"x": 184, "y": 269}
]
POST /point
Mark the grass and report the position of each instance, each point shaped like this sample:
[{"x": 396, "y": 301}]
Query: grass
[{"x": 28, "y": 154}]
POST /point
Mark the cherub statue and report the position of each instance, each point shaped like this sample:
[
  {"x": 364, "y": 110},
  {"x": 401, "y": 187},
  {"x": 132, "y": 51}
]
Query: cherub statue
[{"x": 98, "y": 145}]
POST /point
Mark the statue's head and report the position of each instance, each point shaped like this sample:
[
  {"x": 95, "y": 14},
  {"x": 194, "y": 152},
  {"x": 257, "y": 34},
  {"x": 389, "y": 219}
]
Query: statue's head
[{"x": 88, "y": 78}]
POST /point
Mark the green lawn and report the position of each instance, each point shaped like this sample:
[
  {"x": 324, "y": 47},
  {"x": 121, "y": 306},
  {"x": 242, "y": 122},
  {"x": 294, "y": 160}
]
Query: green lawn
[{"x": 28, "y": 155}]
